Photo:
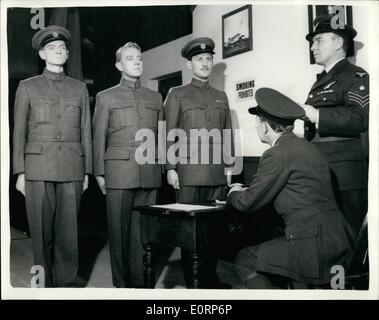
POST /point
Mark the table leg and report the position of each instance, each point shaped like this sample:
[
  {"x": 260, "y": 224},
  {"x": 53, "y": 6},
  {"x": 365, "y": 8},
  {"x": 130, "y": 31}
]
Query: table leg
[
  {"x": 195, "y": 271},
  {"x": 148, "y": 271}
]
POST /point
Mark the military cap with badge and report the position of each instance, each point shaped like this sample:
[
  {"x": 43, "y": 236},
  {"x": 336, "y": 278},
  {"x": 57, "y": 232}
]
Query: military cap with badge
[
  {"x": 198, "y": 46},
  {"x": 324, "y": 24},
  {"x": 276, "y": 107},
  {"x": 49, "y": 34}
]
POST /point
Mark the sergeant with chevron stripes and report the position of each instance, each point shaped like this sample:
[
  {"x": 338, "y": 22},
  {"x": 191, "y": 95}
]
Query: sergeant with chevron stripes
[{"x": 338, "y": 109}]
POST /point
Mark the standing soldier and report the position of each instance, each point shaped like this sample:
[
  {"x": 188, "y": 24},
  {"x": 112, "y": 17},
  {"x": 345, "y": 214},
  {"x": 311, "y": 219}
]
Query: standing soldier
[
  {"x": 338, "y": 107},
  {"x": 53, "y": 157},
  {"x": 120, "y": 112},
  {"x": 198, "y": 106}
]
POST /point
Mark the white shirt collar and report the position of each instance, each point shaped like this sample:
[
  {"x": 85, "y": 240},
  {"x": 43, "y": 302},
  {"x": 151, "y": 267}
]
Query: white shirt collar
[
  {"x": 329, "y": 67},
  {"x": 275, "y": 140}
]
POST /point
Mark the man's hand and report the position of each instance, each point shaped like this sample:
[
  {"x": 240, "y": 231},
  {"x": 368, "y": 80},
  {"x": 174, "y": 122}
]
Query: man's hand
[
  {"x": 311, "y": 112},
  {"x": 236, "y": 187},
  {"x": 85, "y": 183},
  {"x": 173, "y": 178},
  {"x": 298, "y": 129},
  {"x": 20, "y": 183},
  {"x": 101, "y": 182}
]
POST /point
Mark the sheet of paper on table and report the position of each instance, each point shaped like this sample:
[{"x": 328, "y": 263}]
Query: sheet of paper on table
[{"x": 183, "y": 207}]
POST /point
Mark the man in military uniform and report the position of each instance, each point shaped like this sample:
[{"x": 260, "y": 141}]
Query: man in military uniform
[
  {"x": 53, "y": 156},
  {"x": 119, "y": 113},
  {"x": 338, "y": 107},
  {"x": 198, "y": 106},
  {"x": 294, "y": 176}
]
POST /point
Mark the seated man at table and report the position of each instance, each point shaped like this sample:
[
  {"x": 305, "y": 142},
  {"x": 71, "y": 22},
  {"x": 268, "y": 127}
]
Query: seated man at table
[{"x": 295, "y": 177}]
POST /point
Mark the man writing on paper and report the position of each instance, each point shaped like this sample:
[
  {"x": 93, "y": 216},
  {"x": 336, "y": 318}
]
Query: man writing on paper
[{"x": 295, "y": 177}]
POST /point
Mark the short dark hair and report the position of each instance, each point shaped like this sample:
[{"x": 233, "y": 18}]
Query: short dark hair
[{"x": 277, "y": 127}]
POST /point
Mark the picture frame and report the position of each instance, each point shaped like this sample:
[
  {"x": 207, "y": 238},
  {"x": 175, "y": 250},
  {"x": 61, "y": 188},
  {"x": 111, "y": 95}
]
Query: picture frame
[
  {"x": 237, "y": 33},
  {"x": 322, "y": 10}
]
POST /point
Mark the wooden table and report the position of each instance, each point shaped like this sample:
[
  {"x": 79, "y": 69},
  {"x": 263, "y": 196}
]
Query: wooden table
[{"x": 177, "y": 228}]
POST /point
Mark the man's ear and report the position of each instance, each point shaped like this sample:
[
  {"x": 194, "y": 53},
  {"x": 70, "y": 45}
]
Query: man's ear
[
  {"x": 339, "y": 42},
  {"x": 267, "y": 126},
  {"x": 119, "y": 66},
  {"x": 189, "y": 64},
  {"x": 42, "y": 54}
]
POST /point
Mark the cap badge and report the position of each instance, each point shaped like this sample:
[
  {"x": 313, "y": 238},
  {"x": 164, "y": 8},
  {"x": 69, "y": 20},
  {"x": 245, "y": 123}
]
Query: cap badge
[
  {"x": 55, "y": 34},
  {"x": 202, "y": 46}
]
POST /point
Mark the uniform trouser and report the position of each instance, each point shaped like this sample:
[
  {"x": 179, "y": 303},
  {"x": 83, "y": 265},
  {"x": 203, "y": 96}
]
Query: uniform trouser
[
  {"x": 126, "y": 250},
  {"x": 352, "y": 202},
  {"x": 245, "y": 263},
  {"x": 208, "y": 257},
  {"x": 52, "y": 209}
]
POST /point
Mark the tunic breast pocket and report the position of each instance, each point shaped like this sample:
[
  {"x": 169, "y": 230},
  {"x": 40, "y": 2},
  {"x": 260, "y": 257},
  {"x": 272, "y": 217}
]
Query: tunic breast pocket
[
  {"x": 152, "y": 113},
  {"x": 325, "y": 99},
  {"x": 122, "y": 116},
  {"x": 73, "y": 112},
  {"x": 194, "y": 115},
  {"x": 41, "y": 110},
  {"x": 220, "y": 115}
]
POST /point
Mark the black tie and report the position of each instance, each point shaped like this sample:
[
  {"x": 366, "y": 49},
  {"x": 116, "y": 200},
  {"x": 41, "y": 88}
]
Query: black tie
[{"x": 320, "y": 75}]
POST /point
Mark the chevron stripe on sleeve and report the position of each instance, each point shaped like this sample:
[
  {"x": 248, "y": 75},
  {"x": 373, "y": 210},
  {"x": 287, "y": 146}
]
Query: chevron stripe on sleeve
[{"x": 362, "y": 100}]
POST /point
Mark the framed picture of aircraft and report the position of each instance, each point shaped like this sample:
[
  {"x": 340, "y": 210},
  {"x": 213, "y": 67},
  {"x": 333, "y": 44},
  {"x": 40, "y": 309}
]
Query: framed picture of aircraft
[
  {"x": 345, "y": 13},
  {"x": 237, "y": 35}
]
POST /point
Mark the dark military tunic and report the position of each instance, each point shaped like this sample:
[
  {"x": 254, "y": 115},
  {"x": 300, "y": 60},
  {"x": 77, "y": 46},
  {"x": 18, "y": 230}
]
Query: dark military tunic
[
  {"x": 52, "y": 135},
  {"x": 342, "y": 98},
  {"x": 294, "y": 176},
  {"x": 52, "y": 146},
  {"x": 121, "y": 111},
  {"x": 198, "y": 106}
]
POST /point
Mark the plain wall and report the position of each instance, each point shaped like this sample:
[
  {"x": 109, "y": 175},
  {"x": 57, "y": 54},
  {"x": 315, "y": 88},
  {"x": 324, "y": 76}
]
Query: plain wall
[
  {"x": 279, "y": 59},
  {"x": 164, "y": 60}
]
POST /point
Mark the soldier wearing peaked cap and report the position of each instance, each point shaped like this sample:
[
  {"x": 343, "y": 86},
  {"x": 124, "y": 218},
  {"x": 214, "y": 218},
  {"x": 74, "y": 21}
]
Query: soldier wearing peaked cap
[
  {"x": 197, "y": 105},
  {"x": 295, "y": 177},
  {"x": 52, "y": 157},
  {"x": 338, "y": 109}
]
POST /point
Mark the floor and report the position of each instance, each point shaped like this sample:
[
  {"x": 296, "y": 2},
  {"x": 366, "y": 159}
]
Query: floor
[{"x": 94, "y": 265}]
